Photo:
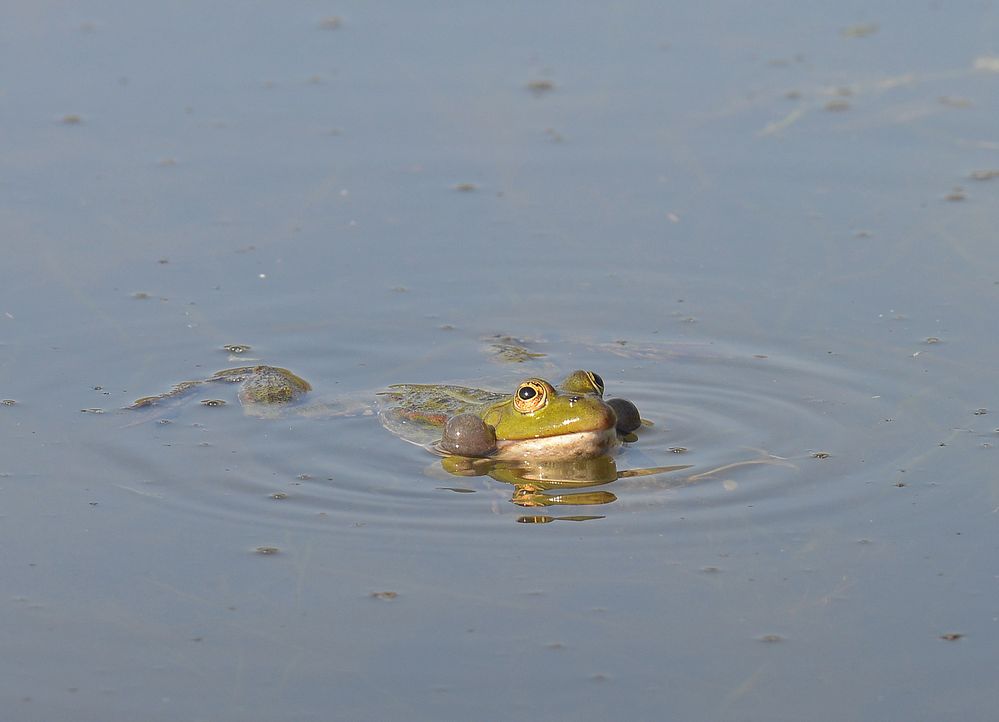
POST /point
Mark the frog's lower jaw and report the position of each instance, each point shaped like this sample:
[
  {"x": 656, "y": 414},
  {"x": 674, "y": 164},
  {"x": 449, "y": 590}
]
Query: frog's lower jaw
[{"x": 580, "y": 445}]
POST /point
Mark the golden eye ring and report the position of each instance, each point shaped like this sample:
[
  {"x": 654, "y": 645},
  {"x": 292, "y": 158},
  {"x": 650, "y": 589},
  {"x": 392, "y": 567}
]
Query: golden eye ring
[{"x": 531, "y": 396}]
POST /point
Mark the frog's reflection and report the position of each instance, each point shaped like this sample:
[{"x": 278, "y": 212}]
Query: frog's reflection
[{"x": 552, "y": 483}]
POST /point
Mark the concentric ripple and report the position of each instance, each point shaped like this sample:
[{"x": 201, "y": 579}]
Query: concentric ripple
[{"x": 767, "y": 437}]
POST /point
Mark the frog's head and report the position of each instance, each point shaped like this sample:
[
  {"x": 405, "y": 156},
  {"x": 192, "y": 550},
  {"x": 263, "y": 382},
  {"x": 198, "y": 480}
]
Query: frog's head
[{"x": 540, "y": 421}]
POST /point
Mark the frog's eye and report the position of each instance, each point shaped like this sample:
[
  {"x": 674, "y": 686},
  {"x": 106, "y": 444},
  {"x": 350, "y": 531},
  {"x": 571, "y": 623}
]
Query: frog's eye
[
  {"x": 597, "y": 382},
  {"x": 531, "y": 396}
]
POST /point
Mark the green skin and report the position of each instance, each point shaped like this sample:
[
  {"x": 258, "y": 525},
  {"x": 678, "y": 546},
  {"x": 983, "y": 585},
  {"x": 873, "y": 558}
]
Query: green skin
[
  {"x": 260, "y": 387},
  {"x": 563, "y": 413},
  {"x": 570, "y": 421},
  {"x": 537, "y": 421}
]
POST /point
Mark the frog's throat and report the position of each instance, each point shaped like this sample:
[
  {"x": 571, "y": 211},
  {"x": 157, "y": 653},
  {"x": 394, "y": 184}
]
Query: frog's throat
[{"x": 579, "y": 445}]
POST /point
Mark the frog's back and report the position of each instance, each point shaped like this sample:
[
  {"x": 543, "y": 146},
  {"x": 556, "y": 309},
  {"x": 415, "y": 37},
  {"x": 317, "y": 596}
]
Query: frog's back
[{"x": 417, "y": 412}]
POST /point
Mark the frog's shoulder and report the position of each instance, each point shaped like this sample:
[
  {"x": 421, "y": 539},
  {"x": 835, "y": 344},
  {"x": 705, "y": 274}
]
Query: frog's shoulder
[{"x": 417, "y": 412}]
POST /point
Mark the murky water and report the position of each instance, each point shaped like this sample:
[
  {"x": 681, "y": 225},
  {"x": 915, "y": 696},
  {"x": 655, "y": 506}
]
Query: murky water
[{"x": 772, "y": 229}]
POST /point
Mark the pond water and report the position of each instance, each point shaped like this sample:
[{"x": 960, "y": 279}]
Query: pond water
[{"x": 771, "y": 227}]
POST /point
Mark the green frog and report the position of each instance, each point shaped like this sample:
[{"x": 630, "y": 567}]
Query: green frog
[
  {"x": 262, "y": 389},
  {"x": 538, "y": 421}
]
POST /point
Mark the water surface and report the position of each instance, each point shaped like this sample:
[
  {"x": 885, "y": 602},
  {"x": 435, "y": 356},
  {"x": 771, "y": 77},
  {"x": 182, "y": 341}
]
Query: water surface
[{"x": 771, "y": 228}]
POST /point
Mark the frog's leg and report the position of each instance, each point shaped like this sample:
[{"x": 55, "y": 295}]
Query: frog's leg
[{"x": 179, "y": 390}]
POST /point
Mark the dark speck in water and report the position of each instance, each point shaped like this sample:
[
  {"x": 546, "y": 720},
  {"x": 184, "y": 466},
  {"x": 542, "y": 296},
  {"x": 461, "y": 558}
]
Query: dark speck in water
[
  {"x": 771, "y": 638},
  {"x": 540, "y": 87},
  {"x": 212, "y": 402},
  {"x": 859, "y": 31},
  {"x": 951, "y": 636},
  {"x": 384, "y": 595},
  {"x": 821, "y": 454},
  {"x": 267, "y": 550}
]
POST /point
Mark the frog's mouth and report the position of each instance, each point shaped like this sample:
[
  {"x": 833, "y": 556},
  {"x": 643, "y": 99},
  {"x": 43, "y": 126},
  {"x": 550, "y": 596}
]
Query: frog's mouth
[{"x": 577, "y": 445}]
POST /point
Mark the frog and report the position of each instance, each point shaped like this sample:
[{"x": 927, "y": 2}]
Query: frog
[
  {"x": 539, "y": 420},
  {"x": 263, "y": 389}
]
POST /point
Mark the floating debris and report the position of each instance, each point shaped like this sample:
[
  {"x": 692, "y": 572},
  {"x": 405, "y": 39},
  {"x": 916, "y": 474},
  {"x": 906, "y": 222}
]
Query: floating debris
[
  {"x": 8, "y": 402},
  {"x": 988, "y": 63},
  {"x": 507, "y": 349},
  {"x": 955, "y": 196},
  {"x": 951, "y": 636},
  {"x": 954, "y": 102},
  {"x": 859, "y": 31},
  {"x": 71, "y": 119},
  {"x": 279, "y": 495},
  {"x": 384, "y": 595},
  {"x": 212, "y": 402},
  {"x": 771, "y": 638},
  {"x": 465, "y": 187},
  {"x": 333, "y": 22},
  {"x": 984, "y": 175},
  {"x": 266, "y": 551},
  {"x": 821, "y": 454},
  {"x": 236, "y": 347},
  {"x": 540, "y": 87}
]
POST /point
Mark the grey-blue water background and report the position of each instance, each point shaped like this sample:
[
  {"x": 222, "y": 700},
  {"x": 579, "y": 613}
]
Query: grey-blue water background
[{"x": 772, "y": 226}]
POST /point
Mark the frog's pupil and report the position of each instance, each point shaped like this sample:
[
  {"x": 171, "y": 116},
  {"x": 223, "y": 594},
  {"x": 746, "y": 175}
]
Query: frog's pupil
[{"x": 526, "y": 393}]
